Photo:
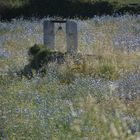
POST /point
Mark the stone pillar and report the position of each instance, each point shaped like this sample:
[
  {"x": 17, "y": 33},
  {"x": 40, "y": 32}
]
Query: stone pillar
[
  {"x": 72, "y": 37},
  {"x": 49, "y": 34}
]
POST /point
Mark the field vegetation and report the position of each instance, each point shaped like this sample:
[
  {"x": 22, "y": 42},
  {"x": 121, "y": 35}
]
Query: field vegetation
[
  {"x": 93, "y": 95},
  {"x": 66, "y": 8}
]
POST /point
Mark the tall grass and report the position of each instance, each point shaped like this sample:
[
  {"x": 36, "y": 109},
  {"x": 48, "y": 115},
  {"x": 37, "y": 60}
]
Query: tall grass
[{"x": 93, "y": 95}]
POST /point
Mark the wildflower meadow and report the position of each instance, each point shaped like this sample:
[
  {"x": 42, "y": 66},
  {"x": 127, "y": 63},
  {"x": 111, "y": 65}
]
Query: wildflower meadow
[{"x": 94, "y": 95}]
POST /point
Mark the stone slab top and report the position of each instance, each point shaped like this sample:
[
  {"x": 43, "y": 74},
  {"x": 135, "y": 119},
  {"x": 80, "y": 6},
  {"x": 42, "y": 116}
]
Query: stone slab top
[{"x": 58, "y": 21}]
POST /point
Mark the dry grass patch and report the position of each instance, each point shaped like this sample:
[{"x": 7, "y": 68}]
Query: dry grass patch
[{"x": 106, "y": 63}]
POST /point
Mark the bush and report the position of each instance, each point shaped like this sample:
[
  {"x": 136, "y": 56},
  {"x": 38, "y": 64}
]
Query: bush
[
  {"x": 39, "y": 57},
  {"x": 35, "y": 49}
]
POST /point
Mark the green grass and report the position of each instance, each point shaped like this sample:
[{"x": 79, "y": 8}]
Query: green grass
[
  {"x": 56, "y": 107},
  {"x": 74, "y": 100},
  {"x": 13, "y": 3},
  {"x": 121, "y": 2},
  {"x": 38, "y": 111}
]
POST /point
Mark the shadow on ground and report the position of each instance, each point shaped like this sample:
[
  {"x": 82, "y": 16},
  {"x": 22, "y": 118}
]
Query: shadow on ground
[
  {"x": 39, "y": 58},
  {"x": 65, "y": 9}
]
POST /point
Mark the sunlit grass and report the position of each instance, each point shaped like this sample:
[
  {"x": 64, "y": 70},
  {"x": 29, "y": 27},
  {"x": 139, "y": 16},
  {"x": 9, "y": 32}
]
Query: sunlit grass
[
  {"x": 86, "y": 97},
  {"x": 33, "y": 113}
]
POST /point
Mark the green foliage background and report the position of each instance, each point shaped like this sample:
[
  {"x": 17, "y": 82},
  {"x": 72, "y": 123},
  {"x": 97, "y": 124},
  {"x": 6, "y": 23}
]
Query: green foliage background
[{"x": 66, "y": 8}]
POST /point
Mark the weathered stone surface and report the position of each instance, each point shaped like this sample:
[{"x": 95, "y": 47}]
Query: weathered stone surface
[
  {"x": 72, "y": 36},
  {"x": 49, "y": 34}
]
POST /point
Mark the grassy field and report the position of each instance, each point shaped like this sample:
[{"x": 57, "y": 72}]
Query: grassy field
[{"x": 93, "y": 97}]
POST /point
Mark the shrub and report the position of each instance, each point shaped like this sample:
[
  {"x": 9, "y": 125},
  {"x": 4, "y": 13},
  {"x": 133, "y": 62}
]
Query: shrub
[
  {"x": 39, "y": 57},
  {"x": 35, "y": 49}
]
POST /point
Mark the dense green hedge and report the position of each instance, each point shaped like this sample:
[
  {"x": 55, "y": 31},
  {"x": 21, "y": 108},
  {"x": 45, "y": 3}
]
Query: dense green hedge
[{"x": 65, "y": 8}]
